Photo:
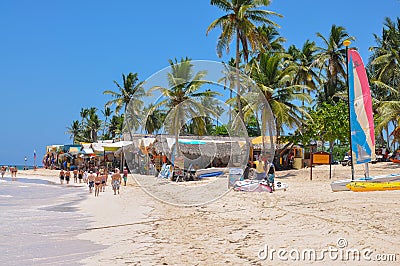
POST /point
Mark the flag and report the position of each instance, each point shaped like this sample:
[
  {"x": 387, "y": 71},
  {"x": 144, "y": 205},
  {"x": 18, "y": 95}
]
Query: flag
[{"x": 34, "y": 154}]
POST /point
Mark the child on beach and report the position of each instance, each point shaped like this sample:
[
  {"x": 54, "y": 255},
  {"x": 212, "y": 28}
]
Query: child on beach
[{"x": 271, "y": 176}]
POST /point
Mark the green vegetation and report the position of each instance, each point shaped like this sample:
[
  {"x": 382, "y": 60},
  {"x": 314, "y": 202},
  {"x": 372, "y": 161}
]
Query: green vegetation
[{"x": 304, "y": 86}]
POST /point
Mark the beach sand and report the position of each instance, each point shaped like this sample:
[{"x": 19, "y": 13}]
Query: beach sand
[{"x": 237, "y": 228}]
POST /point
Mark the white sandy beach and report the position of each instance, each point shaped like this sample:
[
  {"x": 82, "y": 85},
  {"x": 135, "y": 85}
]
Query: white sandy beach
[{"x": 138, "y": 229}]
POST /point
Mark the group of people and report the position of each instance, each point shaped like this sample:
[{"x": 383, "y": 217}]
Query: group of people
[
  {"x": 13, "y": 171},
  {"x": 96, "y": 180},
  {"x": 265, "y": 171}
]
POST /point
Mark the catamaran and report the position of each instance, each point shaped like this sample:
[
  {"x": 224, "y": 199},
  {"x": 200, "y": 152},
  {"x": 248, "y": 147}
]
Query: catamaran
[{"x": 361, "y": 123}]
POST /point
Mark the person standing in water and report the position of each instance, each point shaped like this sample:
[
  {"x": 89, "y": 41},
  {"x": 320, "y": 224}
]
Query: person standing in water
[{"x": 3, "y": 171}]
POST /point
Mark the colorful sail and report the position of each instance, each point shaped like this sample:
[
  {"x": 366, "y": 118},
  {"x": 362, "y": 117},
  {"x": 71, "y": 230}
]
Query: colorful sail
[{"x": 361, "y": 116}]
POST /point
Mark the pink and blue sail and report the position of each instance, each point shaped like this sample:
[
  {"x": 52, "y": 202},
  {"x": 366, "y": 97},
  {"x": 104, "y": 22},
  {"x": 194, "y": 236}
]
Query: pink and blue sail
[{"x": 361, "y": 116}]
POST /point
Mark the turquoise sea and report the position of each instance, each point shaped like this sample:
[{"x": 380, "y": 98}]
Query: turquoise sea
[{"x": 39, "y": 222}]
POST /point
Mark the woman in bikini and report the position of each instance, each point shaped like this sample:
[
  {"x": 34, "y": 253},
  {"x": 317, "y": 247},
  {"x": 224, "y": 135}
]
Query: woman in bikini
[
  {"x": 97, "y": 185},
  {"x": 104, "y": 176},
  {"x": 80, "y": 175},
  {"x": 3, "y": 171}
]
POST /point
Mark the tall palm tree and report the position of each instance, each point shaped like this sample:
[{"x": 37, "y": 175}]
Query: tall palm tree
[
  {"x": 332, "y": 60},
  {"x": 74, "y": 130},
  {"x": 384, "y": 69},
  {"x": 239, "y": 22},
  {"x": 116, "y": 125},
  {"x": 154, "y": 119},
  {"x": 84, "y": 114},
  {"x": 183, "y": 97},
  {"x": 131, "y": 87},
  {"x": 275, "y": 82},
  {"x": 107, "y": 112}
]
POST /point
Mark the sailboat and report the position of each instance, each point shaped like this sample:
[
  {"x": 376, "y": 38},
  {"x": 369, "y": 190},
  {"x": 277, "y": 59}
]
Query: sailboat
[{"x": 361, "y": 123}]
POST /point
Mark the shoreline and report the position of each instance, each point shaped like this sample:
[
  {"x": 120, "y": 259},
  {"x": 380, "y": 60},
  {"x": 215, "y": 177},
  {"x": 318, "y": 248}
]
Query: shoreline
[{"x": 139, "y": 229}]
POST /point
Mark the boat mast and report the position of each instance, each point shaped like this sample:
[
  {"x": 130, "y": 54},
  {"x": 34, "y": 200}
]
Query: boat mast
[{"x": 346, "y": 43}]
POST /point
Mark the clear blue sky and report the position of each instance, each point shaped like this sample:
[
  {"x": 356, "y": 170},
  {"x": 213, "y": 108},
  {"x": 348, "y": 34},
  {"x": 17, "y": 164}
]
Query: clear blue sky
[{"x": 59, "y": 56}]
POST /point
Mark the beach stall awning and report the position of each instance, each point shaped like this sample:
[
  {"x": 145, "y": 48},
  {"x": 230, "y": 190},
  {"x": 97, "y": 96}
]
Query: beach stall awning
[
  {"x": 87, "y": 151},
  {"x": 97, "y": 147},
  {"x": 73, "y": 149},
  {"x": 116, "y": 145}
]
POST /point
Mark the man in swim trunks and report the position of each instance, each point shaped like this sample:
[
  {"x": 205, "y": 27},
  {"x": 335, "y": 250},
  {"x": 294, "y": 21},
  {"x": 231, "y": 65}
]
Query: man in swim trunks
[
  {"x": 67, "y": 176},
  {"x": 125, "y": 173},
  {"x": 75, "y": 175},
  {"x": 97, "y": 185},
  {"x": 62, "y": 176},
  {"x": 116, "y": 180},
  {"x": 90, "y": 180}
]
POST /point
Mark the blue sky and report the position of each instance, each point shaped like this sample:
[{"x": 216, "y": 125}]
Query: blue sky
[{"x": 59, "y": 56}]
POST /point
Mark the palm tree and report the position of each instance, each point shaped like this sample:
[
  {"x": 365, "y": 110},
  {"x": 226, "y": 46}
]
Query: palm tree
[
  {"x": 131, "y": 87},
  {"x": 116, "y": 125},
  {"x": 183, "y": 97},
  {"x": 384, "y": 69},
  {"x": 84, "y": 114},
  {"x": 74, "y": 130},
  {"x": 332, "y": 59},
  {"x": 239, "y": 22},
  {"x": 107, "y": 112},
  {"x": 274, "y": 80},
  {"x": 154, "y": 119}
]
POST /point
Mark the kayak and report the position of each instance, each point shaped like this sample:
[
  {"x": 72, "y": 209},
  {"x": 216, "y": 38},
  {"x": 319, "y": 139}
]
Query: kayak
[{"x": 372, "y": 186}]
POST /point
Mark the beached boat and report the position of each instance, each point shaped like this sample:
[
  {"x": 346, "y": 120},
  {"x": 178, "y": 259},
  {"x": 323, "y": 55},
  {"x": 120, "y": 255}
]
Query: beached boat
[
  {"x": 362, "y": 135},
  {"x": 340, "y": 185},
  {"x": 373, "y": 186},
  {"x": 395, "y": 160}
]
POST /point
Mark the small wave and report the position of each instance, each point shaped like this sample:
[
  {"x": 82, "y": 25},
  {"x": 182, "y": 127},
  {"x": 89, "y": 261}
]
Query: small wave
[{"x": 6, "y": 196}]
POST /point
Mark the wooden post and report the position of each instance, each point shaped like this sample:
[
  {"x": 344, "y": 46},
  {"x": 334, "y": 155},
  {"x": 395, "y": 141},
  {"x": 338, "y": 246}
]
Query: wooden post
[{"x": 311, "y": 163}]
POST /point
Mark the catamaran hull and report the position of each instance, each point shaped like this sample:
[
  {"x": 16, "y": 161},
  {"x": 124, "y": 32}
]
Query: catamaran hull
[
  {"x": 373, "y": 186},
  {"x": 340, "y": 185}
]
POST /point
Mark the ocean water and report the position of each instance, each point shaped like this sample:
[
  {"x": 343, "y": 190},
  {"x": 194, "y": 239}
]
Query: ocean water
[{"x": 39, "y": 222}]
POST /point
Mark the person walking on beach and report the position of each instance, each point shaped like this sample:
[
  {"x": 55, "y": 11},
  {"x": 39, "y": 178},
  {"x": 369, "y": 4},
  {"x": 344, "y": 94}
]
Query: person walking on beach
[
  {"x": 104, "y": 176},
  {"x": 91, "y": 178},
  {"x": 97, "y": 185},
  {"x": 15, "y": 170},
  {"x": 62, "y": 174},
  {"x": 125, "y": 174},
  {"x": 67, "y": 176},
  {"x": 80, "y": 175},
  {"x": 116, "y": 180},
  {"x": 75, "y": 175}
]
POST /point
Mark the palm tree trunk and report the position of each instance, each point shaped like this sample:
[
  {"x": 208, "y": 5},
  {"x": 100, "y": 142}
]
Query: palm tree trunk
[{"x": 239, "y": 104}]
